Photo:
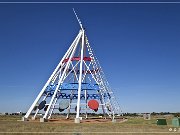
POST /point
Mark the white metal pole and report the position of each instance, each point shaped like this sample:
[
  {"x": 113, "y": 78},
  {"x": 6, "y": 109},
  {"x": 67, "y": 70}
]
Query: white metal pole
[
  {"x": 80, "y": 76},
  {"x": 63, "y": 74},
  {"x": 70, "y": 101},
  {"x": 49, "y": 80},
  {"x": 52, "y": 109},
  {"x": 85, "y": 92}
]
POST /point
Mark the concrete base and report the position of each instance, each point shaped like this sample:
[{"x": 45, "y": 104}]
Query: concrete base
[
  {"x": 113, "y": 120},
  {"x": 33, "y": 118},
  {"x": 77, "y": 120},
  {"x": 24, "y": 119},
  {"x": 43, "y": 120}
]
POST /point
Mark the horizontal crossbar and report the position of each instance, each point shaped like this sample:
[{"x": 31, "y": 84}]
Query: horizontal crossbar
[{"x": 77, "y": 59}]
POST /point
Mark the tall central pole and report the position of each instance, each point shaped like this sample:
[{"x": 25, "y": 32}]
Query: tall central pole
[{"x": 77, "y": 120}]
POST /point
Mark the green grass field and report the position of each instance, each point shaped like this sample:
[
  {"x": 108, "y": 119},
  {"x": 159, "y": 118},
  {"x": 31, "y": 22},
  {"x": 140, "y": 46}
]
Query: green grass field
[{"x": 134, "y": 125}]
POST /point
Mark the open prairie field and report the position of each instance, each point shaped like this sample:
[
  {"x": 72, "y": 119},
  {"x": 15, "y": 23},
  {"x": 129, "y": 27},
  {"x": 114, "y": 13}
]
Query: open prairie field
[{"x": 133, "y": 125}]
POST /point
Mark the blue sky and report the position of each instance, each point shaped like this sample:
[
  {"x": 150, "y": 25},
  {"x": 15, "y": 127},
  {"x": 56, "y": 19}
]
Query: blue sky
[{"x": 138, "y": 47}]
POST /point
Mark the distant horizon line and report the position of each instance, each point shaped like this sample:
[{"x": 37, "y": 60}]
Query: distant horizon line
[
  {"x": 97, "y": 113},
  {"x": 90, "y": 2}
]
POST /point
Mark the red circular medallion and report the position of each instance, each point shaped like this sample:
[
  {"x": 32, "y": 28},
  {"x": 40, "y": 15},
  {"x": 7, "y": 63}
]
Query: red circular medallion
[{"x": 93, "y": 104}]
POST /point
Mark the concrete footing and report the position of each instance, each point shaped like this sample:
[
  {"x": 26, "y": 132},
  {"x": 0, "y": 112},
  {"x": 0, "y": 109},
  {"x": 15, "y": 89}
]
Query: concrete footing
[
  {"x": 43, "y": 120},
  {"x": 77, "y": 120},
  {"x": 113, "y": 120},
  {"x": 33, "y": 118},
  {"x": 24, "y": 119}
]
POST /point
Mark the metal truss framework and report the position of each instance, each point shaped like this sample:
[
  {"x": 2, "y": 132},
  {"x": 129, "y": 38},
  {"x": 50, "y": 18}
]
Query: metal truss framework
[{"x": 77, "y": 78}]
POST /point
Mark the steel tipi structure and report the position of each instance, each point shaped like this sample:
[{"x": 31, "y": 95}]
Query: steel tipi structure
[{"x": 78, "y": 82}]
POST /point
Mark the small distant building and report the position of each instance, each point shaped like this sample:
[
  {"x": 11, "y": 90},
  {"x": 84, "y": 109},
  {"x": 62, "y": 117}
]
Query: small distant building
[
  {"x": 140, "y": 114},
  {"x": 19, "y": 113},
  {"x": 147, "y": 116},
  {"x": 39, "y": 114}
]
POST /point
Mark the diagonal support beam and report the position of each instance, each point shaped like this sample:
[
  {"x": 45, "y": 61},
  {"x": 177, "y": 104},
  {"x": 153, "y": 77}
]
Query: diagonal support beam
[
  {"x": 50, "y": 78},
  {"x": 63, "y": 74}
]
